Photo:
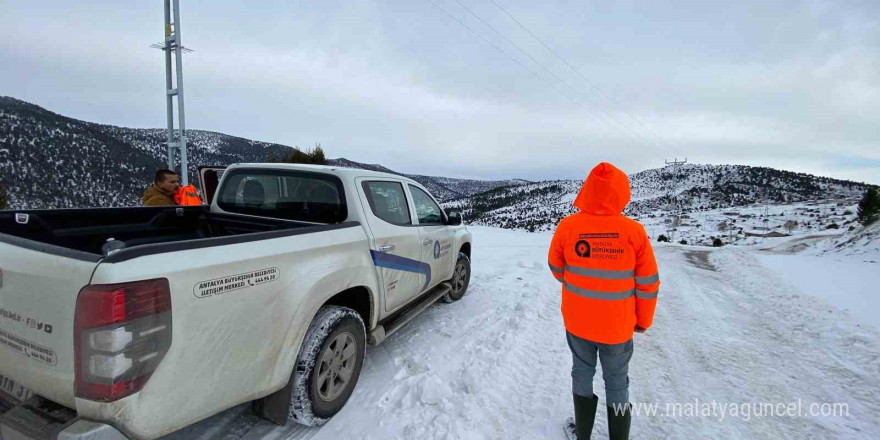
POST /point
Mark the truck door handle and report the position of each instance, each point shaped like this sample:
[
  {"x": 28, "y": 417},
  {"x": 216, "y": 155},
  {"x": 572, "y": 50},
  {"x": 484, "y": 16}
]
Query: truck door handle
[
  {"x": 427, "y": 242},
  {"x": 386, "y": 248}
]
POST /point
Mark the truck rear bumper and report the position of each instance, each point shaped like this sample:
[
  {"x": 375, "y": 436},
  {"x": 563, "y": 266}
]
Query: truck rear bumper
[{"x": 41, "y": 419}]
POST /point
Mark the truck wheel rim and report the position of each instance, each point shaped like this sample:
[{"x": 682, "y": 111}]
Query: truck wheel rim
[
  {"x": 336, "y": 366},
  {"x": 460, "y": 277}
]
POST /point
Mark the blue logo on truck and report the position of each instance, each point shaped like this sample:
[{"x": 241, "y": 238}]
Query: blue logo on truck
[{"x": 400, "y": 263}]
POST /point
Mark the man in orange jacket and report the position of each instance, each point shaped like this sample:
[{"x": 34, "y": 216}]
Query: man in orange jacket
[{"x": 609, "y": 278}]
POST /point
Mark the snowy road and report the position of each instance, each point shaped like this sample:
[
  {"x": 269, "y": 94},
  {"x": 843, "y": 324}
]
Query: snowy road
[{"x": 495, "y": 365}]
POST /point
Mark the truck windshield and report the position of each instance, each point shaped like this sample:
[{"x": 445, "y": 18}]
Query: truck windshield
[{"x": 291, "y": 195}]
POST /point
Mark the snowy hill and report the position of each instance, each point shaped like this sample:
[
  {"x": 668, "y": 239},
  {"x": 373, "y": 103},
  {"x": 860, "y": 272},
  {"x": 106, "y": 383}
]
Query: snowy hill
[
  {"x": 52, "y": 161},
  {"x": 443, "y": 188},
  {"x": 703, "y": 189},
  {"x": 536, "y": 206}
]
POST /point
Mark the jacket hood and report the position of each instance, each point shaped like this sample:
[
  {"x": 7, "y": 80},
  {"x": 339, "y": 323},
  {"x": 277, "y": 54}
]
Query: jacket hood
[{"x": 605, "y": 192}]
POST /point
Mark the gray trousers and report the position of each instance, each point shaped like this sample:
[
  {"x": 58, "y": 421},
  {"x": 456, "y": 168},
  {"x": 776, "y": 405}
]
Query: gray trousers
[{"x": 615, "y": 367}]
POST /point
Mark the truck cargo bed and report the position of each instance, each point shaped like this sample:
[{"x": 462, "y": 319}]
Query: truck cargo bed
[{"x": 81, "y": 233}]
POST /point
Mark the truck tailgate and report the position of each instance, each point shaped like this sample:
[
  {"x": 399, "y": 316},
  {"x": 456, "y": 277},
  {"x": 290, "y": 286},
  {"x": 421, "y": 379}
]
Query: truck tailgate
[{"x": 38, "y": 293}]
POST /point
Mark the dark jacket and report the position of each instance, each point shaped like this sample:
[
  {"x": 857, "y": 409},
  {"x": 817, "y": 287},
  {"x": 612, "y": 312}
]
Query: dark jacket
[{"x": 154, "y": 196}]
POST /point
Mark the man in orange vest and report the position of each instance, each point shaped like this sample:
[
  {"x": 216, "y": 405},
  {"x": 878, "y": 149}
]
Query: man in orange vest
[{"x": 609, "y": 278}]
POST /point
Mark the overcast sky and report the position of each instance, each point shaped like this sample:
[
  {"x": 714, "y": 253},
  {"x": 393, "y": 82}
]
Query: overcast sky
[{"x": 785, "y": 84}]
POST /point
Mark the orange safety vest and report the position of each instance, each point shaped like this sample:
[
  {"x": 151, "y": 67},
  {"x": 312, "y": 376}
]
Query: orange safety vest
[
  {"x": 187, "y": 196},
  {"x": 605, "y": 263}
]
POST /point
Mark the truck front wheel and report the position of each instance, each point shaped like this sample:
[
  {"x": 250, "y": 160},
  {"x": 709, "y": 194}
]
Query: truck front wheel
[
  {"x": 328, "y": 365},
  {"x": 461, "y": 278}
]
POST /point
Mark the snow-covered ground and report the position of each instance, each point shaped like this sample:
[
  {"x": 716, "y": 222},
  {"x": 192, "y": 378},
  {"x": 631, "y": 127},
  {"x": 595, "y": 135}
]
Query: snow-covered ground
[
  {"x": 846, "y": 283},
  {"x": 734, "y": 326}
]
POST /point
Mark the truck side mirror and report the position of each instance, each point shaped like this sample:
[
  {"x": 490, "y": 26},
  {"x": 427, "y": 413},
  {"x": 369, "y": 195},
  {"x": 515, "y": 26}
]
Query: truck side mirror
[{"x": 453, "y": 218}]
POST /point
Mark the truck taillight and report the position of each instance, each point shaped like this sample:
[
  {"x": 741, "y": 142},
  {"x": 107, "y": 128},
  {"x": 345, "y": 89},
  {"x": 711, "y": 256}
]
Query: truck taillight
[{"x": 121, "y": 333}]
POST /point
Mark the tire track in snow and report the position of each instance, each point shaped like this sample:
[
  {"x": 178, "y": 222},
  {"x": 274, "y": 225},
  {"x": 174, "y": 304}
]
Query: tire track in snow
[
  {"x": 466, "y": 370},
  {"x": 825, "y": 355}
]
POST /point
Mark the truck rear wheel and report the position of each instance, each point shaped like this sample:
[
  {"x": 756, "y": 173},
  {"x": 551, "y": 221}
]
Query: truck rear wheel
[
  {"x": 461, "y": 279},
  {"x": 328, "y": 365}
]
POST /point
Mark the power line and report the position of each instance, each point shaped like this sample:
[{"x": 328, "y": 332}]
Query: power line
[
  {"x": 547, "y": 69},
  {"x": 512, "y": 58},
  {"x": 575, "y": 70}
]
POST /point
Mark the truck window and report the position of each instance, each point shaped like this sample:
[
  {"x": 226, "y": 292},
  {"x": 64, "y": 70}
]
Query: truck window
[
  {"x": 388, "y": 202},
  {"x": 291, "y": 195},
  {"x": 426, "y": 209}
]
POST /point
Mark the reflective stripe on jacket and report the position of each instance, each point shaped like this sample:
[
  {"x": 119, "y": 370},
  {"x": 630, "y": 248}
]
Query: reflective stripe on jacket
[{"x": 605, "y": 263}]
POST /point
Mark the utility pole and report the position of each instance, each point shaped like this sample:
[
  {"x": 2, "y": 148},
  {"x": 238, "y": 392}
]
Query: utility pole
[
  {"x": 675, "y": 218},
  {"x": 174, "y": 71}
]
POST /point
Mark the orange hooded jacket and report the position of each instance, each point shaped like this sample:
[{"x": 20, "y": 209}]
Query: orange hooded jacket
[
  {"x": 605, "y": 263},
  {"x": 187, "y": 196}
]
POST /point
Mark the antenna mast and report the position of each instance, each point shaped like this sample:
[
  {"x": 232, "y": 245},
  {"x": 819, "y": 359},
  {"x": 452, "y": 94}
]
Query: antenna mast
[{"x": 173, "y": 44}]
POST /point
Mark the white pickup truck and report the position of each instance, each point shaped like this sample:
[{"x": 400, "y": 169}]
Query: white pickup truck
[{"x": 270, "y": 295}]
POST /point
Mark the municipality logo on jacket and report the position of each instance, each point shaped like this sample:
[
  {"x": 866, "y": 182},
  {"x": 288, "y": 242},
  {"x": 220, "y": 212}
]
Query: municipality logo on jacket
[{"x": 582, "y": 248}]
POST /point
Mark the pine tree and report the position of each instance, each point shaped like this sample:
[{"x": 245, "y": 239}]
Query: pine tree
[
  {"x": 314, "y": 156},
  {"x": 869, "y": 207}
]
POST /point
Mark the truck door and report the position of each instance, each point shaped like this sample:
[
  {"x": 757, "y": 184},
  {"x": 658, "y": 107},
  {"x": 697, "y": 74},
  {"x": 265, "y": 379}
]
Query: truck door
[
  {"x": 209, "y": 178},
  {"x": 437, "y": 239},
  {"x": 394, "y": 245}
]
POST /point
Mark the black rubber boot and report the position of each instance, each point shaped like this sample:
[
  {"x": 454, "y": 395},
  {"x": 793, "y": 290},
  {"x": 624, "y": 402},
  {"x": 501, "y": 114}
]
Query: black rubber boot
[
  {"x": 618, "y": 424},
  {"x": 584, "y": 414}
]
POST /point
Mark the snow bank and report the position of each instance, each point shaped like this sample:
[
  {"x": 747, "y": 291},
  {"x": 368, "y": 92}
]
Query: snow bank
[
  {"x": 862, "y": 243},
  {"x": 847, "y": 285}
]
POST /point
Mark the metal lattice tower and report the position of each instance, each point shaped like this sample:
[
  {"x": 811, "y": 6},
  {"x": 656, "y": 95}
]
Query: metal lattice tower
[
  {"x": 174, "y": 87},
  {"x": 675, "y": 221}
]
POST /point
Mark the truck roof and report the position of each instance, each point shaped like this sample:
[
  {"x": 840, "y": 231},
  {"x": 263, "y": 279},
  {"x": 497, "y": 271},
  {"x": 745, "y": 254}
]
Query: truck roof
[{"x": 342, "y": 172}]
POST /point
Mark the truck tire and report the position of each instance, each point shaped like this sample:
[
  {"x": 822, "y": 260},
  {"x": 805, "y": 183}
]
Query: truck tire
[
  {"x": 328, "y": 365},
  {"x": 461, "y": 278}
]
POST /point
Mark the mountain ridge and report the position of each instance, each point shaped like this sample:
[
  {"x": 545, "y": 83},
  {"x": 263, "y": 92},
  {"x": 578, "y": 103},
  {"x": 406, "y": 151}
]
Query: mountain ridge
[
  {"x": 49, "y": 160},
  {"x": 538, "y": 206}
]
